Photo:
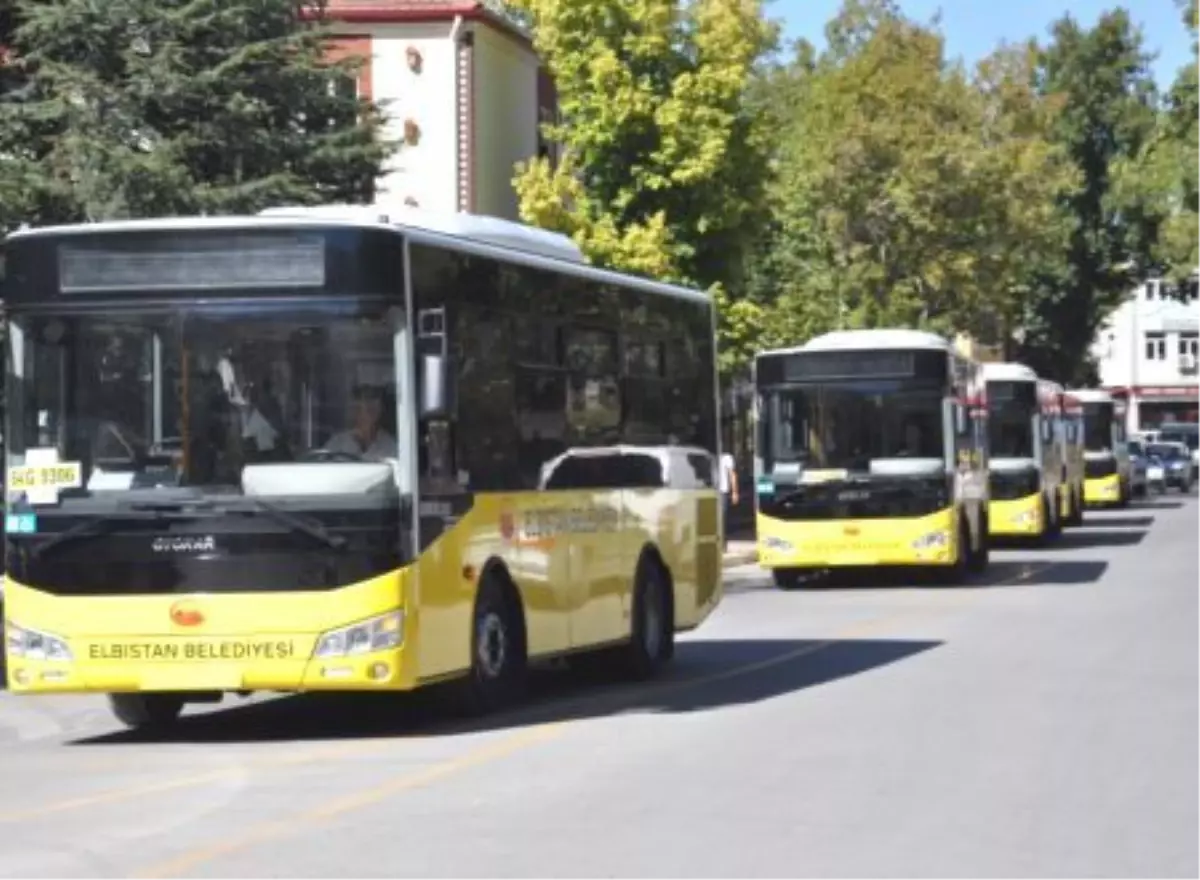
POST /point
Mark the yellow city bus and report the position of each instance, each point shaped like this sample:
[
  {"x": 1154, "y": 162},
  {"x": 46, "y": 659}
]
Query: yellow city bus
[
  {"x": 1073, "y": 491},
  {"x": 1107, "y": 468},
  {"x": 872, "y": 451},
  {"x": 1025, "y": 454},
  {"x": 307, "y": 451}
]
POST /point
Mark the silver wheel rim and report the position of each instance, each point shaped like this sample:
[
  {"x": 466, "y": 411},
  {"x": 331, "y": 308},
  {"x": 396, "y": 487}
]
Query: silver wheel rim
[
  {"x": 652, "y": 622},
  {"x": 492, "y": 651}
]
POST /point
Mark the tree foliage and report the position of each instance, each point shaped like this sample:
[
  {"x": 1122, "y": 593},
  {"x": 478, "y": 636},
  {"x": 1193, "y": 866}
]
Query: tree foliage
[
  {"x": 1161, "y": 179},
  {"x": 154, "y": 107},
  {"x": 663, "y": 165},
  {"x": 1107, "y": 115},
  {"x": 909, "y": 192}
]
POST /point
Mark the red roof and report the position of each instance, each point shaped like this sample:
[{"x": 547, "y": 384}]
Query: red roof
[{"x": 402, "y": 11}]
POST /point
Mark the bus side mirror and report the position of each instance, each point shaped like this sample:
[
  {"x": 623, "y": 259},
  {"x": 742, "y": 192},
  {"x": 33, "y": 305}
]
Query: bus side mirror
[
  {"x": 434, "y": 391},
  {"x": 960, "y": 419}
]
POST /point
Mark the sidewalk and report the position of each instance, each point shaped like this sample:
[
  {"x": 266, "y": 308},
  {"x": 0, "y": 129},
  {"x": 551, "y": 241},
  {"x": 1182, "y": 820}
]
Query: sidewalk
[{"x": 740, "y": 552}]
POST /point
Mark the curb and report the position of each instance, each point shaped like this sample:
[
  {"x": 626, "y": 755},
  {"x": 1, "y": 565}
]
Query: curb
[{"x": 735, "y": 559}]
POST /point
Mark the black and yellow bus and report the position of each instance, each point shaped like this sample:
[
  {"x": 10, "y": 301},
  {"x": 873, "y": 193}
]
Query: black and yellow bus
[
  {"x": 872, "y": 451},
  {"x": 1027, "y": 453},
  {"x": 308, "y": 450},
  {"x": 1108, "y": 476}
]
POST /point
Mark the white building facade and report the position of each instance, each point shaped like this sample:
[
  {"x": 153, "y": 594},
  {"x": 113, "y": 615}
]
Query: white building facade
[
  {"x": 1147, "y": 352},
  {"x": 463, "y": 91}
]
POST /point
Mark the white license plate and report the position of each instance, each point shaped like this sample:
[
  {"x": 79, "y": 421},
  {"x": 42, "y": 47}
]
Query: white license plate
[{"x": 1155, "y": 473}]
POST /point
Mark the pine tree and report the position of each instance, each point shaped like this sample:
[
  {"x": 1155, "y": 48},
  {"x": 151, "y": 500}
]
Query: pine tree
[{"x": 157, "y": 107}]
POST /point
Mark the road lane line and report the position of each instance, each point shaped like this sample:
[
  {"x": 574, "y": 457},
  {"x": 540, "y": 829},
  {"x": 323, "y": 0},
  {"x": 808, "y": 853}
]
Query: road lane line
[
  {"x": 115, "y": 795},
  {"x": 267, "y": 831},
  {"x": 179, "y": 865}
]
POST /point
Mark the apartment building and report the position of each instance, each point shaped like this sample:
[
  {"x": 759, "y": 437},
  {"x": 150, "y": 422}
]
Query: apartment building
[{"x": 1147, "y": 352}]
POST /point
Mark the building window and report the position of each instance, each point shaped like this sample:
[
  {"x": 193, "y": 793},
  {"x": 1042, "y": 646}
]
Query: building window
[
  {"x": 1189, "y": 343},
  {"x": 1156, "y": 347},
  {"x": 1151, "y": 290}
]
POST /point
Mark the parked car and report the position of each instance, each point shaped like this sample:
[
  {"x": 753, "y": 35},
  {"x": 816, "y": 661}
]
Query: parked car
[
  {"x": 1138, "y": 481},
  {"x": 1187, "y": 433},
  {"x": 1175, "y": 460}
]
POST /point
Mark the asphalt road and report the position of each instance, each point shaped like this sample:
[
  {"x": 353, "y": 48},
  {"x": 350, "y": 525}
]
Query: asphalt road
[{"x": 1042, "y": 724}]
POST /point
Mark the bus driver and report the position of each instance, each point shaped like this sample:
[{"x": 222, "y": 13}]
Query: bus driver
[{"x": 367, "y": 438}]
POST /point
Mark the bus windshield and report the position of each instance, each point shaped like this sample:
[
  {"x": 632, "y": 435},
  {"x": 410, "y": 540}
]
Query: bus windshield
[
  {"x": 1011, "y": 408},
  {"x": 854, "y": 424},
  {"x": 191, "y": 396},
  {"x": 1098, "y": 424}
]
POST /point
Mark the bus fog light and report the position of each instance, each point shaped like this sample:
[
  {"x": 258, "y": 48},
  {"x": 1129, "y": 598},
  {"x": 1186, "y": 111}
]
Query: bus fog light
[
  {"x": 34, "y": 645},
  {"x": 379, "y": 671},
  {"x": 930, "y": 541},
  {"x": 1024, "y": 518},
  {"x": 375, "y": 634}
]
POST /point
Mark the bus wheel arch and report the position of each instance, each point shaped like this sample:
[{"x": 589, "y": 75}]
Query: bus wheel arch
[{"x": 499, "y": 643}]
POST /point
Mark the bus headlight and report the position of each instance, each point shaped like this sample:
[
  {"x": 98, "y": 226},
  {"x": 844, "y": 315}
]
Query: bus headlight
[
  {"x": 374, "y": 634},
  {"x": 779, "y": 544},
  {"x": 930, "y": 541},
  {"x": 33, "y": 645}
]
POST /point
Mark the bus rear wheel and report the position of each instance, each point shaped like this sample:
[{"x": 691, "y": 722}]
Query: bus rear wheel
[
  {"x": 139, "y": 711},
  {"x": 652, "y": 640}
]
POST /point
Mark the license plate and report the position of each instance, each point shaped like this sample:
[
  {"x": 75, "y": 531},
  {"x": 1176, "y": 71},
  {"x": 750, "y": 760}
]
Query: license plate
[
  {"x": 1155, "y": 473},
  {"x": 189, "y": 677}
]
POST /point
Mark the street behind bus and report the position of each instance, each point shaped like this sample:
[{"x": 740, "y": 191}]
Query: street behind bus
[{"x": 1040, "y": 723}]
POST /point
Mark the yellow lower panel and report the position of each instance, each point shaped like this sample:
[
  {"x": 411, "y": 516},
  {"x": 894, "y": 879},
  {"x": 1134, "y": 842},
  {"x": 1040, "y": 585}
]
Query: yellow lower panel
[
  {"x": 245, "y": 641},
  {"x": 1019, "y": 516},
  {"x": 1102, "y": 490},
  {"x": 923, "y": 540}
]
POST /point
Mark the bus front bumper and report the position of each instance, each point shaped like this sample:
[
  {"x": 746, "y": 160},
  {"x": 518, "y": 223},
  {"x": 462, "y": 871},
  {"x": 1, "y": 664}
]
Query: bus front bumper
[
  {"x": 1102, "y": 490},
  {"x": 1017, "y": 516},
  {"x": 923, "y": 540},
  {"x": 252, "y": 652}
]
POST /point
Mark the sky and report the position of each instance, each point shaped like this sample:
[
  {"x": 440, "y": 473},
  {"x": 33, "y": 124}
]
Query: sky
[{"x": 974, "y": 27}]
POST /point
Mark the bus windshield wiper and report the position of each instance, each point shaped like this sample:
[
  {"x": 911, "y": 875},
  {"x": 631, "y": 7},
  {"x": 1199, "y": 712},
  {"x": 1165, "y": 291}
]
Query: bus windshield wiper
[
  {"x": 102, "y": 524},
  {"x": 299, "y": 523}
]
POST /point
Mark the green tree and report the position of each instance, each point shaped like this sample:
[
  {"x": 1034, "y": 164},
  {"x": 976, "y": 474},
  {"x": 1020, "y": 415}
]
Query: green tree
[
  {"x": 154, "y": 107},
  {"x": 909, "y": 193},
  {"x": 663, "y": 166},
  {"x": 1161, "y": 180},
  {"x": 1102, "y": 77}
]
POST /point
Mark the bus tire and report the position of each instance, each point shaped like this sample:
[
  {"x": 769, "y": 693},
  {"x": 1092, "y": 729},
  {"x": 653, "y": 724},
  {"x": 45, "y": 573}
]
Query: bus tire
[
  {"x": 786, "y": 578},
  {"x": 1076, "y": 516},
  {"x": 982, "y": 554},
  {"x": 499, "y": 659},
  {"x": 1053, "y": 526},
  {"x": 652, "y": 637},
  {"x": 140, "y": 711}
]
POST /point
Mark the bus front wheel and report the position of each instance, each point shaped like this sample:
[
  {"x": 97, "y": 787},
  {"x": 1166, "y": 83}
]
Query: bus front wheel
[
  {"x": 499, "y": 662},
  {"x": 146, "y": 710}
]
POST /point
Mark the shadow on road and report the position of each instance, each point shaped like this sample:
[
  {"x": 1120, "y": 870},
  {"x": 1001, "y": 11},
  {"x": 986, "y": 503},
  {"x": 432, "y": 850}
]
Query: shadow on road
[
  {"x": 1001, "y": 574},
  {"x": 1120, "y": 522},
  {"x": 1159, "y": 504},
  {"x": 706, "y": 674},
  {"x": 1064, "y": 573},
  {"x": 1099, "y": 537}
]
